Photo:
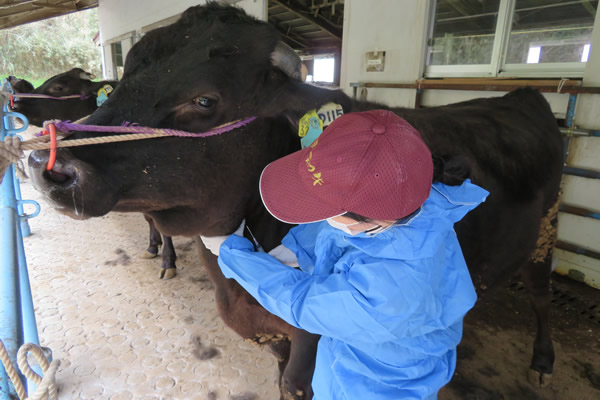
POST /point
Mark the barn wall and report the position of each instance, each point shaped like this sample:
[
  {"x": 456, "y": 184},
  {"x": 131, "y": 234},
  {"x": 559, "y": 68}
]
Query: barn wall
[
  {"x": 584, "y": 152},
  {"x": 119, "y": 17},
  {"x": 399, "y": 27},
  {"x": 394, "y": 26},
  {"x": 126, "y": 21}
]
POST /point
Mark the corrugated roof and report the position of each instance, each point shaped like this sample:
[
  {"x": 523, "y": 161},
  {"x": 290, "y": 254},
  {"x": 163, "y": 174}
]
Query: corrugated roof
[{"x": 19, "y": 12}]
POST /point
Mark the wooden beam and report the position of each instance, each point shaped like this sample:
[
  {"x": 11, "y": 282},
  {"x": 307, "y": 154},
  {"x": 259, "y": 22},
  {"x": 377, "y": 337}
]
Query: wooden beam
[
  {"x": 67, "y": 5},
  {"x": 589, "y": 7},
  {"x": 293, "y": 7},
  {"x": 295, "y": 41},
  {"x": 494, "y": 85}
]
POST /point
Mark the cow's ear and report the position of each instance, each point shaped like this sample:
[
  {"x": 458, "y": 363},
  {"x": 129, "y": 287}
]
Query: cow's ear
[
  {"x": 86, "y": 76},
  {"x": 292, "y": 99},
  {"x": 284, "y": 92},
  {"x": 91, "y": 88},
  {"x": 288, "y": 61}
]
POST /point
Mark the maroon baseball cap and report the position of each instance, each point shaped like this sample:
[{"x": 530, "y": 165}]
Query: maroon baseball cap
[{"x": 371, "y": 163}]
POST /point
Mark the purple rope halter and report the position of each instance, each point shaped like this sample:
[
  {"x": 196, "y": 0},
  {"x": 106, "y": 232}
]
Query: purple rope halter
[
  {"x": 67, "y": 126},
  {"x": 17, "y": 96}
]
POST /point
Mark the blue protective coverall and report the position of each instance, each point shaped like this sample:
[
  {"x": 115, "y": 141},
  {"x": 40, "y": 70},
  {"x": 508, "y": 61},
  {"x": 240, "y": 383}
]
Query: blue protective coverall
[{"x": 389, "y": 308}]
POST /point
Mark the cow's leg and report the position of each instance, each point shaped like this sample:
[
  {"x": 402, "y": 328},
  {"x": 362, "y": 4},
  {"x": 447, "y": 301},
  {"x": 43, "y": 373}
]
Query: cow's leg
[
  {"x": 297, "y": 376},
  {"x": 167, "y": 270},
  {"x": 242, "y": 313},
  {"x": 155, "y": 239},
  {"x": 281, "y": 351},
  {"x": 536, "y": 277}
]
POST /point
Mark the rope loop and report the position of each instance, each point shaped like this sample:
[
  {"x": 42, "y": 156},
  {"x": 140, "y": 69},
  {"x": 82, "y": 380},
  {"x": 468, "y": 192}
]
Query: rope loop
[
  {"x": 46, "y": 385},
  {"x": 561, "y": 84}
]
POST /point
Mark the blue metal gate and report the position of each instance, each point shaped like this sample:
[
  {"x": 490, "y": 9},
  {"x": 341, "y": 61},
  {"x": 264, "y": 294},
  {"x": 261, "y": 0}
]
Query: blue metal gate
[{"x": 17, "y": 318}]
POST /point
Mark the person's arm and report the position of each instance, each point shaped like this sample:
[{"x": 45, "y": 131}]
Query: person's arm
[
  {"x": 301, "y": 240},
  {"x": 330, "y": 305}
]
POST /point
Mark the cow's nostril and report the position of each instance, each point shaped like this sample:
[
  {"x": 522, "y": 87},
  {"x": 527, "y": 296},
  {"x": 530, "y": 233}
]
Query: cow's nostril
[
  {"x": 57, "y": 177},
  {"x": 59, "y": 174}
]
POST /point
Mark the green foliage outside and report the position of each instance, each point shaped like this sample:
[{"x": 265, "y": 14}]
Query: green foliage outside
[{"x": 45, "y": 48}]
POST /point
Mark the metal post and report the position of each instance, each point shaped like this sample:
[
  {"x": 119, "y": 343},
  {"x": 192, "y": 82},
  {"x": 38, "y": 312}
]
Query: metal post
[
  {"x": 571, "y": 109},
  {"x": 10, "y": 302}
]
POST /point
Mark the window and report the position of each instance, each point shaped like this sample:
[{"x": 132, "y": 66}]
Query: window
[
  {"x": 117, "y": 50},
  {"x": 324, "y": 69},
  {"x": 510, "y": 37},
  {"x": 463, "y": 32}
]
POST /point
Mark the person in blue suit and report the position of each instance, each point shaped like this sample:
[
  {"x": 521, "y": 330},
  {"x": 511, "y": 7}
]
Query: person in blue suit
[{"x": 381, "y": 274}]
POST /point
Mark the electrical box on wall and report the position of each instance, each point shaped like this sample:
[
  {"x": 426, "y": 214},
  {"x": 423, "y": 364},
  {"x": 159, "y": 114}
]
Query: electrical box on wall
[{"x": 375, "y": 61}]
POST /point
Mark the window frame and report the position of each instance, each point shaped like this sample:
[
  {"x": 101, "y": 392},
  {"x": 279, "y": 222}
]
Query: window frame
[{"x": 498, "y": 66}]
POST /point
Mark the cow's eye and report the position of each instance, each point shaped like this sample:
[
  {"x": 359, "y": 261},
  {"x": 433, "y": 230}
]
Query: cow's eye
[
  {"x": 56, "y": 89},
  {"x": 204, "y": 102}
]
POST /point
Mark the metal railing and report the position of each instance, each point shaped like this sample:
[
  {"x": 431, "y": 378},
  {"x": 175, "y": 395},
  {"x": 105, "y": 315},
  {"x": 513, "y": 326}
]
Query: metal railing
[{"x": 17, "y": 317}]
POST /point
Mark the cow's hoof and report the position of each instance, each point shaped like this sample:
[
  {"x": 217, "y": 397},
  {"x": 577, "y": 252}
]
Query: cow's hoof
[
  {"x": 539, "y": 379},
  {"x": 167, "y": 273},
  {"x": 295, "y": 395},
  {"x": 147, "y": 255}
]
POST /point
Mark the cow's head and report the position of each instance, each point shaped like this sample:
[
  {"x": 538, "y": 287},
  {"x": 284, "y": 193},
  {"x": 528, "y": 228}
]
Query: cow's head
[
  {"x": 74, "y": 82},
  {"x": 215, "y": 65}
]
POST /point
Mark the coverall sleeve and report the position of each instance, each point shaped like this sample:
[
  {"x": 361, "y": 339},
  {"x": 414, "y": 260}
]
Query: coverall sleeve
[
  {"x": 328, "y": 305},
  {"x": 301, "y": 240}
]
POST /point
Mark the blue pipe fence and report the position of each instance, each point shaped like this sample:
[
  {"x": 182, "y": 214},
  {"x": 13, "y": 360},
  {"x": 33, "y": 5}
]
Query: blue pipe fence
[{"x": 17, "y": 317}]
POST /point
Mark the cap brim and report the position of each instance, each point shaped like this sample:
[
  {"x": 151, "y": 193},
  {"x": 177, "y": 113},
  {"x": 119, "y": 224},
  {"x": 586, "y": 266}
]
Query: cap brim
[{"x": 286, "y": 197}]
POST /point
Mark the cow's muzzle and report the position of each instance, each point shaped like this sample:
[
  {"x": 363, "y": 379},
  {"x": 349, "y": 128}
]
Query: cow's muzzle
[{"x": 73, "y": 186}]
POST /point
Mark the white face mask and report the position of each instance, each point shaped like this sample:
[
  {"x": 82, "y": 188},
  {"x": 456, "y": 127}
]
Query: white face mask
[{"x": 342, "y": 227}]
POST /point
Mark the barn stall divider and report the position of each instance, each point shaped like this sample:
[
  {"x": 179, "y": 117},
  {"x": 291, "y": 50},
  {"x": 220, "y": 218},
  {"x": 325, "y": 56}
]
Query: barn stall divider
[{"x": 18, "y": 328}]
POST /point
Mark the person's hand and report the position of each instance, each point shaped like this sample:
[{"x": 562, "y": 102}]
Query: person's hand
[{"x": 213, "y": 243}]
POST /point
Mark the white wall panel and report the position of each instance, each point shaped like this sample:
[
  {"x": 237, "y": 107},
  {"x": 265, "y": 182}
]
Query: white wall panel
[
  {"x": 394, "y": 26},
  {"x": 118, "y": 17},
  {"x": 581, "y": 192}
]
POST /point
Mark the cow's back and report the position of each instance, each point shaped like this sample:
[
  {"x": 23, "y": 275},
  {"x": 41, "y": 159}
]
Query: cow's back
[
  {"x": 512, "y": 143},
  {"x": 514, "y": 149}
]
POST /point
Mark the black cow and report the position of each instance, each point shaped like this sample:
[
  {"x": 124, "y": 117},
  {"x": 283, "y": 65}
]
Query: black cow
[
  {"x": 73, "y": 82},
  {"x": 78, "y": 82},
  {"x": 215, "y": 65}
]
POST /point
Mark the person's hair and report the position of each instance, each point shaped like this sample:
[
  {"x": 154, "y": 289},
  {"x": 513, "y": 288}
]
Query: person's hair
[{"x": 362, "y": 218}]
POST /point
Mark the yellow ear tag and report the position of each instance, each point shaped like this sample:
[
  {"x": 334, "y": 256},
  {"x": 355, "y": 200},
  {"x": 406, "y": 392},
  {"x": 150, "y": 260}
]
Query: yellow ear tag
[
  {"x": 102, "y": 94},
  {"x": 310, "y": 127}
]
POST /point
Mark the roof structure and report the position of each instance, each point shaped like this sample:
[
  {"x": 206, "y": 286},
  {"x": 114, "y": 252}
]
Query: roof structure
[
  {"x": 19, "y": 12},
  {"x": 309, "y": 26}
]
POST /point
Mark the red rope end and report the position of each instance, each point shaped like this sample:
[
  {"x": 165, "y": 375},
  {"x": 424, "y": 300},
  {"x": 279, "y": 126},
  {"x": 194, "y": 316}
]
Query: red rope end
[{"x": 52, "y": 157}]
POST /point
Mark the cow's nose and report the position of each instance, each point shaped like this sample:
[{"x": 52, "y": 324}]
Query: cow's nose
[
  {"x": 61, "y": 172},
  {"x": 38, "y": 159}
]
